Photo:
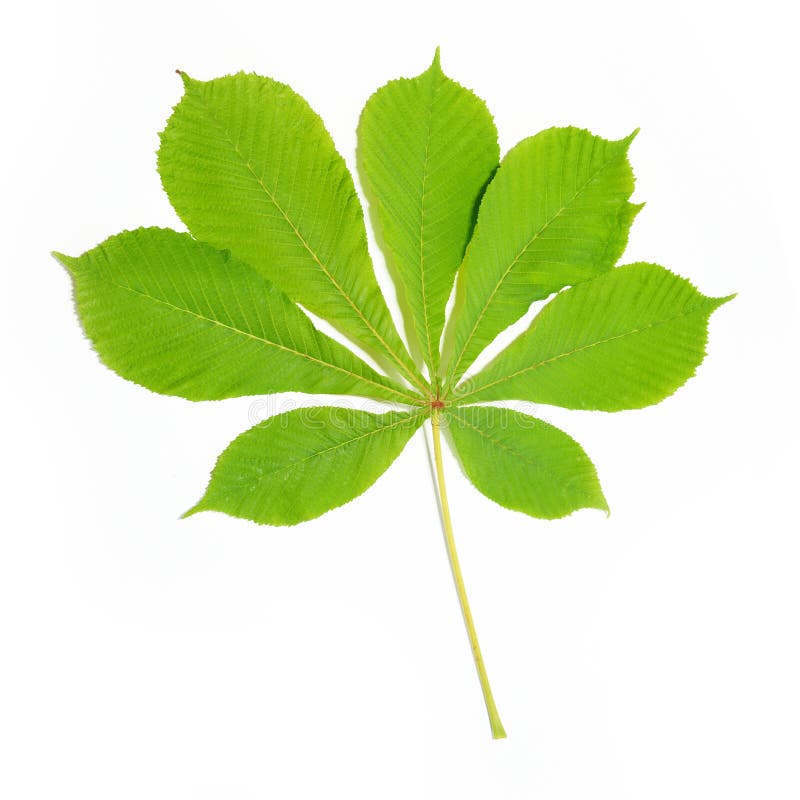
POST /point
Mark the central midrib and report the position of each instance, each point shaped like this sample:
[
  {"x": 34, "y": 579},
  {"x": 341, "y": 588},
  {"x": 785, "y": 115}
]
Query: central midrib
[
  {"x": 389, "y": 350},
  {"x": 516, "y": 453},
  {"x": 516, "y": 259},
  {"x": 582, "y": 348},
  {"x": 247, "y": 334},
  {"x": 294, "y": 464},
  {"x": 431, "y": 363}
]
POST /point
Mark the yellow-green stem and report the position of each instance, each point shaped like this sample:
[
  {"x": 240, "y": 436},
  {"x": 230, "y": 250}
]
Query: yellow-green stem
[{"x": 498, "y": 731}]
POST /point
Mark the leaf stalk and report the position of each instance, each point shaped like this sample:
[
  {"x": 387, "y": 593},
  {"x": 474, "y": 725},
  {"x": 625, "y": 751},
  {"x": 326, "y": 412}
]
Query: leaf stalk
[{"x": 498, "y": 732}]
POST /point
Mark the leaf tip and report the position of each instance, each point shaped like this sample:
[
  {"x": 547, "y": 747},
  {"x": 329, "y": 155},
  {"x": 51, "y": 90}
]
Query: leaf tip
[
  {"x": 195, "y": 509},
  {"x": 184, "y": 77},
  {"x": 631, "y": 136},
  {"x": 630, "y": 212},
  {"x": 720, "y": 301},
  {"x": 435, "y": 69},
  {"x": 65, "y": 261},
  {"x": 600, "y": 503}
]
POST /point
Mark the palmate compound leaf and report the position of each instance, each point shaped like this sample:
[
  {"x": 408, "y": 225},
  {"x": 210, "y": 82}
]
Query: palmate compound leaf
[
  {"x": 426, "y": 148},
  {"x": 555, "y": 214},
  {"x": 250, "y": 167},
  {"x": 523, "y": 463},
  {"x": 181, "y": 318},
  {"x": 296, "y": 466},
  {"x": 626, "y": 339}
]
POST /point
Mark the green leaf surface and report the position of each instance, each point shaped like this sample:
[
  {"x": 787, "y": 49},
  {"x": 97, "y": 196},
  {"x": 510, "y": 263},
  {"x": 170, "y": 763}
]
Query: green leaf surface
[
  {"x": 296, "y": 466},
  {"x": 626, "y": 339},
  {"x": 182, "y": 318},
  {"x": 523, "y": 463},
  {"x": 555, "y": 214},
  {"x": 275, "y": 224},
  {"x": 427, "y": 147},
  {"x": 250, "y": 167}
]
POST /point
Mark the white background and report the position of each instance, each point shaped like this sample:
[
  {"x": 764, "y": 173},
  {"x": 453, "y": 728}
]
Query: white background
[{"x": 650, "y": 655}]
